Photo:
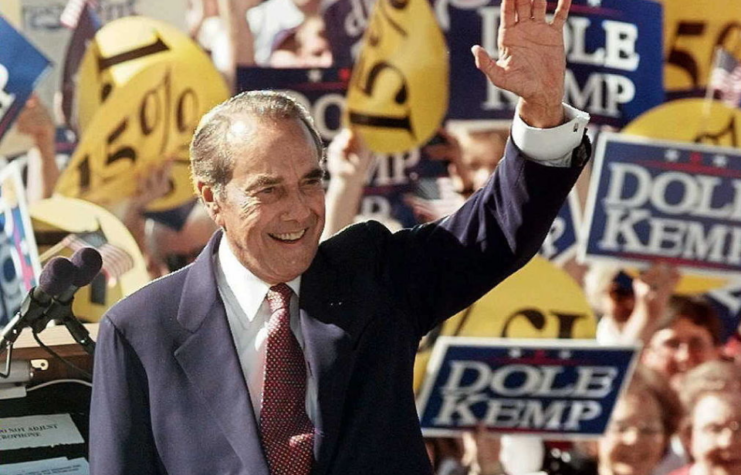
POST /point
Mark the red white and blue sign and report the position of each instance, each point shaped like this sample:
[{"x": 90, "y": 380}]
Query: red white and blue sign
[
  {"x": 21, "y": 67},
  {"x": 550, "y": 388},
  {"x": 19, "y": 261},
  {"x": 675, "y": 202}
]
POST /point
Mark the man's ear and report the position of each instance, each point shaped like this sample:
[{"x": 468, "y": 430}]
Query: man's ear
[{"x": 209, "y": 198}]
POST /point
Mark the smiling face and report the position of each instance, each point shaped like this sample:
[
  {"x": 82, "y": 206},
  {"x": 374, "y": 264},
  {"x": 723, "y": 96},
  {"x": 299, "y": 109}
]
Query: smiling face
[
  {"x": 635, "y": 440},
  {"x": 677, "y": 349},
  {"x": 272, "y": 209},
  {"x": 716, "y": 434}
]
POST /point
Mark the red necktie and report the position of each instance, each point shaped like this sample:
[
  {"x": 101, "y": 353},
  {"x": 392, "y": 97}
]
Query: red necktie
[{"x": 287, "y": 432}]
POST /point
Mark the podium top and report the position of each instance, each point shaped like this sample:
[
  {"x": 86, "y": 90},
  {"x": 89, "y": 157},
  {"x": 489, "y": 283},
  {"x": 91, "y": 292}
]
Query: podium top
[{"x": 52, "y": 336}]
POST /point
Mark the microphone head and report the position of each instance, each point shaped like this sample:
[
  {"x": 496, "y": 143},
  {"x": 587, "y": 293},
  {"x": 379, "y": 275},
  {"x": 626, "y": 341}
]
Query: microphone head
[
  {"x": 88, "y": 263},
  {"x": 58, "y": 274}
]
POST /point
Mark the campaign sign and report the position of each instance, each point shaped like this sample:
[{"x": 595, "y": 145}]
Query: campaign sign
[
  {"x": 19, "y": 262},
  {"x": 560, "y": 243},
  {"x": 408, "y": 188},
  {"x": 551, "y": 388},
  {"x": 320, "y": 90},
  {"x": 613, "y": 52},
  {"x": 21, "y": 67},
  {"x": 670, "y": 201}
]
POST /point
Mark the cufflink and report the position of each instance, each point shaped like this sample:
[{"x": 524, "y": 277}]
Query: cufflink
[{"x": 581, "y": 154}]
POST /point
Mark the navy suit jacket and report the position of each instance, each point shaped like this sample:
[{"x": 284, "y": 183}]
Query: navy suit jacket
[{"x": 169, "y": 395}]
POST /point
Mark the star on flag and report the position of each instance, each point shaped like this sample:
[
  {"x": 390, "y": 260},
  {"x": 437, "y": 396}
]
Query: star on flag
[
  {"x": 720, "y": 161},
  {"x": 515, "y": 353},
  {"x": 314, "y": 75},
  {"x": 671, "y": 155}
]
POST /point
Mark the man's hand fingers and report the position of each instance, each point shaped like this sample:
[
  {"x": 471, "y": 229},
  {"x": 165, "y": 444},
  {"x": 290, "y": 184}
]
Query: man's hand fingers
[
  {"x": 539, "y": 7},
  {"x": 487, "y": 65},
  {"x": 508, "y": 13},
  {"x": 562, "y": 13},
  {"x": 524, "y": 10}
]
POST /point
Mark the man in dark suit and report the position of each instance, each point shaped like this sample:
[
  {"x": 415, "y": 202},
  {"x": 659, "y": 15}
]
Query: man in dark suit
[{"x": 274, "y": 355}]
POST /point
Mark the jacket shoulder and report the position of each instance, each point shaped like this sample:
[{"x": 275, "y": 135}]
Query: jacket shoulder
[{"x": 156, "y": 300}]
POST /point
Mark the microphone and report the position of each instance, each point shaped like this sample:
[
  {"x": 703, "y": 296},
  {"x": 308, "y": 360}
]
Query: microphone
[
  {"x": 56, "y": 276},
  {"x": 87, "y": 263}
]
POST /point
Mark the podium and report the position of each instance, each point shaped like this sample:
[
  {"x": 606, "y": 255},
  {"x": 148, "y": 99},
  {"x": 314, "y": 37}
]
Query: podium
[{"x": 54, "y": 388}]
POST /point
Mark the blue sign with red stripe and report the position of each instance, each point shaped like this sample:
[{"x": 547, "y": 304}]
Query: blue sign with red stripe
[
  {"x": 671, "y": 201},
  {"x": 550, "y": 388}
]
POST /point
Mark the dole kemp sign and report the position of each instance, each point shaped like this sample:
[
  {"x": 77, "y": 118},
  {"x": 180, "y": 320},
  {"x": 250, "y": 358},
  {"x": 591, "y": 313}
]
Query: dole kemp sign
[
  {"x": 550, "y": 388},
  {"x": 673, "y": 201}
]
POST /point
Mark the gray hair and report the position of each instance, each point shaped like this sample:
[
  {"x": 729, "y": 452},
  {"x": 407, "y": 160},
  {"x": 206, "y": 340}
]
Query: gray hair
[{"x": 211, "y": 160}]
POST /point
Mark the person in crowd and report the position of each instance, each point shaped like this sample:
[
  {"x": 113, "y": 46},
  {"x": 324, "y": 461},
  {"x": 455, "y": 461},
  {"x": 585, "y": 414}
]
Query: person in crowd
[
  {"x": 206, "y": 23},
  {"x": 636, "y": 440},
  {"x": 276, "y": 33},
  {"x": 305, "y": 46},
  {"x": 630, "y": 308},
  {"x": 642, "y": 424},
  {"x": 472, "y": 155},
  {"x": 151, "y": 184},
  {"x": 687, "y": 335},
  {"x": 272, "y": 354},
  {"x": 712, "y": 425},
  {"x": 348, "y": 163},
  {"x": 169, "y": 250},
  {"x": 43, "y": 171}
]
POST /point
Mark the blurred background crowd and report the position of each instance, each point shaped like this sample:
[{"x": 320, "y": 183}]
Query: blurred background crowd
[{"x": 681, "y": 413}]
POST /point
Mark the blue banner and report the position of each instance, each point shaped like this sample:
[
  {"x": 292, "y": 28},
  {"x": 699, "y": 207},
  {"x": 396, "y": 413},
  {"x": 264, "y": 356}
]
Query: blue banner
[
  {"x": 613, "y": 48},
  {"x": 671, "y": 201},
  {"x": 550, "y": 388},
  {"x": 613, "y": 58},
  {"x": 320, "y": 90},
  {"x": 21, "y": 67}
]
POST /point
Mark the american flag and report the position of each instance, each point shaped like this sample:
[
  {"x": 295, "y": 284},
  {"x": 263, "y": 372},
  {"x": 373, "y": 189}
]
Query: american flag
[
  {"x": 725, "y": 80},
  {"x": 116, "y": 261},
  {"x": 73, "y": 11}
]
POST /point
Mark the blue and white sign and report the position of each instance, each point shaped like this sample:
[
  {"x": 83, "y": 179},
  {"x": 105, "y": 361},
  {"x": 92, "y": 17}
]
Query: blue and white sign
[
  {"x": 21, "y": 67},
  {"x": 671, "y": 201},
  {"x": 551, "y": 388},
  {"x": 613, "y": 52},
  {"x": 321, "y": 90},
  {"x": 561, "y": 242}
]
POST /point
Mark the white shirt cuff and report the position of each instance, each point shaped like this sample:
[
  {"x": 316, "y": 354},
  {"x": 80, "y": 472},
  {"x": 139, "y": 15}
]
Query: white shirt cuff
[{"x": 551, "y": 147}]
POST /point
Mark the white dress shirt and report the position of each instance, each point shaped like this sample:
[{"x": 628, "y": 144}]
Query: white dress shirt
[
  {"x": 248, "y": 314},
  {"x": 553, "y": 146},
  {"x": 244, "y": 294}
]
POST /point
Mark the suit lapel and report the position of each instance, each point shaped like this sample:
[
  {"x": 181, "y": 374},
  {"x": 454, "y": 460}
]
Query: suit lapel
[
  {"x": 209, "y": 359},
  {"x": 325, "y": 303}
]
